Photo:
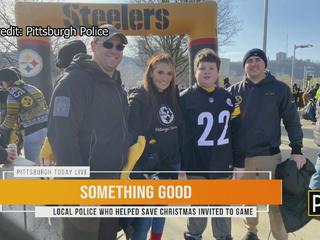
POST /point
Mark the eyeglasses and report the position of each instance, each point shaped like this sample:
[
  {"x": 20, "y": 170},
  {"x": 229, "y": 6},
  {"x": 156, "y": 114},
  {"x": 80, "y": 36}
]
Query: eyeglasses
[{"x": 110, "y": 45}]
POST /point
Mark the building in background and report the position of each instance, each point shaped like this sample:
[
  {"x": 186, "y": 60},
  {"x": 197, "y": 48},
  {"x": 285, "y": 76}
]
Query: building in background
[{"x": 281, "y": 57}]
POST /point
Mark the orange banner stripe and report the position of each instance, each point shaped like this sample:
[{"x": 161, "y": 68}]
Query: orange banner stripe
[{"x": 133, "y": 192}]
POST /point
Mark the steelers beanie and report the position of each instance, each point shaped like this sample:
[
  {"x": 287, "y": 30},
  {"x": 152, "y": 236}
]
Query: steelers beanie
[
  {"x": 8, "y": 75},
  {"x": 255, "y": 52}
]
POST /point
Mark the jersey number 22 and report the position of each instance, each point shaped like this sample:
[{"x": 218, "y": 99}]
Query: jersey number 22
[{"x": 223, "y": 118}]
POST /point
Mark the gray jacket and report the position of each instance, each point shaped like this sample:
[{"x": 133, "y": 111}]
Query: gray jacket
[{"x": 88, "y": 119}]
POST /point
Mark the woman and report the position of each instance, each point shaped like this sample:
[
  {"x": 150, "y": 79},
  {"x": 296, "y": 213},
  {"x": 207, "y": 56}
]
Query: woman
[{"x": 154, "y": 113}]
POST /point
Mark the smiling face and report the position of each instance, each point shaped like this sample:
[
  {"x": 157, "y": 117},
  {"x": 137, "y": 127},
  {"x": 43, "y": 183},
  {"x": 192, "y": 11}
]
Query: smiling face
[
  {"x": 107, "y": 58},
  {"x": 162, "y": 75},
  {"x": 207, "y": 74},
  {"x": 255, "y": 68}
]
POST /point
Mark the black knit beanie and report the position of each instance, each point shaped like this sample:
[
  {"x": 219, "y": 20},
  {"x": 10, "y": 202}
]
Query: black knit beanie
[
  {"x": 68, "y": 51},
  {"x": 255, "y": 52},
  {"x": 8, "y": 75}
]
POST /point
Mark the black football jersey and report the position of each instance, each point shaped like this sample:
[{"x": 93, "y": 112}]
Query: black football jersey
[{"x": 208, "y": 139}]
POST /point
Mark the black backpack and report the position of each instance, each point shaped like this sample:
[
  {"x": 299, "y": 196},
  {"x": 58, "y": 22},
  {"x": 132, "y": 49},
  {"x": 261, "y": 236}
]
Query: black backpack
[{"x": 309, "y": 111}]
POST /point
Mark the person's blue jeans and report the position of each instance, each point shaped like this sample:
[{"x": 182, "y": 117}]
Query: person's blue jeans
[
  {"x": 143, "y": 225},
  {"x": 315, "y": 179},
  {"x": 32, "y": 144}
]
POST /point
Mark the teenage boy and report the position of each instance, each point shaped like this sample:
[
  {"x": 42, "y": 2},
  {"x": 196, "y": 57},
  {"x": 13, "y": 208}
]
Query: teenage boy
[{"x": 211, "y": 138}]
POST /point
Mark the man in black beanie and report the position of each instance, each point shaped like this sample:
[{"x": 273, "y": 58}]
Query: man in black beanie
[
  {"x": 65, "y": 56},
  {"x": 68, "y": 51},
  {"x": 255, "y": 52},
  {"x": 264, "y": 102}
]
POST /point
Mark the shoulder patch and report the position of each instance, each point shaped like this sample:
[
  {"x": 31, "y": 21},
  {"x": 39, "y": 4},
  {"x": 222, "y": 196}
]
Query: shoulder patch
[{"x": 61, "y": 106}]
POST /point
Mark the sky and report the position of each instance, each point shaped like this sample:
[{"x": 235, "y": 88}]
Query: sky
[{"x": 290, "y": 22}]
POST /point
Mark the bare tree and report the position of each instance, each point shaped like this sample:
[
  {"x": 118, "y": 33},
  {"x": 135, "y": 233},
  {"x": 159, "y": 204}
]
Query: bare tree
[
  {"x": 177, "y": 45},
  {"x": 228, "y": 24},
  {"x": 7, "y": 44}
]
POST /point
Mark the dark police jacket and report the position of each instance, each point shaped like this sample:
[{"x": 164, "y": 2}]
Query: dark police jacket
[
  {"x": 88, "y": 119},
  {"x": 262, "y": 106}
]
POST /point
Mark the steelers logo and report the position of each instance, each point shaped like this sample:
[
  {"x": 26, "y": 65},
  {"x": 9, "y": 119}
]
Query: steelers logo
[
  {"x": 166, "y": 115},
  {"x": 238, "y": 99},
  {"x": 30, "y": 63},
  {"x": 26, "y": 101}
]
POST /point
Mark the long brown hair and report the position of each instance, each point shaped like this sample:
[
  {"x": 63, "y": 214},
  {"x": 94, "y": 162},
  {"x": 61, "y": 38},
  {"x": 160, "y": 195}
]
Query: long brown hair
[{"x": 149, "y": 86}]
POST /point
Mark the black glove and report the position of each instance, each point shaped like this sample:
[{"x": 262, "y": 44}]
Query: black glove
[{"x": 151, "y": 162}]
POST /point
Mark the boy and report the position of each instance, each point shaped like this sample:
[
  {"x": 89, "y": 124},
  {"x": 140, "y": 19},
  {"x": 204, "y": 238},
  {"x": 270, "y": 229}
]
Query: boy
[{"x": 211, "y": 138}]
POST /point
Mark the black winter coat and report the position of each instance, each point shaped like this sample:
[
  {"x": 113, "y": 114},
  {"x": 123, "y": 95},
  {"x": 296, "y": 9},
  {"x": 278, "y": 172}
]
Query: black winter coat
[
  {"x": 295, "y": 186},
  {"x": 160, "y": 124},
  {"x": 88, "y": 119},
  {"x": 263, "y": 106}
]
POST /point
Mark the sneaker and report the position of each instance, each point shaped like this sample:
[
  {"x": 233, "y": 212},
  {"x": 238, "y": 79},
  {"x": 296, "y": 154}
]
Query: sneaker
[
  {"x": 250, "y": 236},
  {"x": 187, "y": 237}
]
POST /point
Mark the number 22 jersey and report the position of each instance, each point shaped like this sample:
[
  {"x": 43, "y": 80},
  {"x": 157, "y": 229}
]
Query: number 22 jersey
[{"x": 211, "y": 137}]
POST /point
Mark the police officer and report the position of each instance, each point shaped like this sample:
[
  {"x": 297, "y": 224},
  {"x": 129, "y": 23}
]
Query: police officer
[{"x": 88, "y": 123}]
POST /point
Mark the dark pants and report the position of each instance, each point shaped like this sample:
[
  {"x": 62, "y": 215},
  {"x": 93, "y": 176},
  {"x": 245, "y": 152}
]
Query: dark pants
[{"x": 90, "y": 228}]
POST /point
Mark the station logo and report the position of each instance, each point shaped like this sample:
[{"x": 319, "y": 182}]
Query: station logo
[{"x": 314, "y": 203}]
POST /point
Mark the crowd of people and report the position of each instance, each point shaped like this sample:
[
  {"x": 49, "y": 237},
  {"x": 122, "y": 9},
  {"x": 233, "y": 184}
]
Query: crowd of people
[{"x": 92, "y": 121}]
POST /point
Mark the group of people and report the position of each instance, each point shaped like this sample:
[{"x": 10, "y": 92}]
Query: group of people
[
  {"x": 24, "y": 111},
  {"x": 302, "y": 98},
  {"x": 203, "y": 128},
  {"x": 92, "y": 122}
]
